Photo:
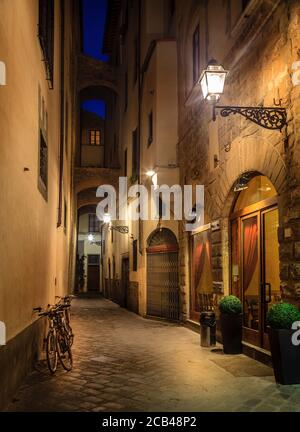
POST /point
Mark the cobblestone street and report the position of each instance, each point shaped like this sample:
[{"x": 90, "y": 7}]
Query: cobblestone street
[{"x": 123, "y": 362}]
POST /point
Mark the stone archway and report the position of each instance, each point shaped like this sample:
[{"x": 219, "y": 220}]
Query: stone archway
[{"x": 248, "y": 154}]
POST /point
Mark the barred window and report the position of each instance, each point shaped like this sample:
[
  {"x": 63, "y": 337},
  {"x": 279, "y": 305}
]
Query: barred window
[
  {"x": 46, "y": 36},
  {"x": 43, "y": 165},
  {"x": 93, "y": 223}
]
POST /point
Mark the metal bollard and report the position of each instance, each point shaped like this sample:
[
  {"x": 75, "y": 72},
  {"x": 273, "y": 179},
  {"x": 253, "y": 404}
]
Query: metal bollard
[{"x": 207, "y": 329}]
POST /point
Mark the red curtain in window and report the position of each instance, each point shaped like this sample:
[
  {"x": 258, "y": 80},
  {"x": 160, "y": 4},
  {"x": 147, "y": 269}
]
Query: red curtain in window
[
  {"x": 199, "y": 258},
  {"x": 250, "y": 250},
  {"x": 202, "y": 252}
]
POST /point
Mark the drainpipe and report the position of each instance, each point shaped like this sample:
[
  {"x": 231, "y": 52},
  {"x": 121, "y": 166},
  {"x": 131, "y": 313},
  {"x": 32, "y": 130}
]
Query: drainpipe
[
  {"x": 140, "y": 85},
  {"x": 62, "y": 108}
]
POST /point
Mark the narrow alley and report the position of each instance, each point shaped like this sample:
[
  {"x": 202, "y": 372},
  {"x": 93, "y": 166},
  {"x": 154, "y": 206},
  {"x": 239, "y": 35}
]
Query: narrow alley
[
  {"x": 123, "y": 362},
  {"x": 150, "y": 171}
]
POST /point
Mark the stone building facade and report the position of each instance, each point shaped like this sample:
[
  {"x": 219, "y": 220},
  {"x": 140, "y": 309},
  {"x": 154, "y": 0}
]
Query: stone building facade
[
  {"x": 260, "y": 48},
  {"x": 37, "y": 143},
  {"x": 257, "y": 41},
  {"x": 140, "y": 38}
]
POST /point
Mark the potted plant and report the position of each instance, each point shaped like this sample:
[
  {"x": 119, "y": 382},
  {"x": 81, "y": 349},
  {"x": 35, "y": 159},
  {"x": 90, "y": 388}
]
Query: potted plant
[
  {"x": 285, "y": 355},
  {"x": 231, "y": 324}
]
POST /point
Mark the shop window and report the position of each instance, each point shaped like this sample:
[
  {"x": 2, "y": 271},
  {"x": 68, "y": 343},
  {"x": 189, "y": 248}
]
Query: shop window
[
  {"x": 257, "y": 189},
  {"x": 201, "y": 271},
  {"x": 46, "y": 36}
]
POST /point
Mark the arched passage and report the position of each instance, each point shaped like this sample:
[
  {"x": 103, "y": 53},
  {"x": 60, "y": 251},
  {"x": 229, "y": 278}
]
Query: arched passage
[
  {"x": 88, "y": 250},
  {"x": 162, "y": 275},
  {"x": 98, "y": 140}
]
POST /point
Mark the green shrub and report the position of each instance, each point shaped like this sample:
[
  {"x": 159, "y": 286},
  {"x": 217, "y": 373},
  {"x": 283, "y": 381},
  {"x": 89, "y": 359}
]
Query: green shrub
[
  {"x": 282, "y": 316},
  {"x": 230, "y": 305}
]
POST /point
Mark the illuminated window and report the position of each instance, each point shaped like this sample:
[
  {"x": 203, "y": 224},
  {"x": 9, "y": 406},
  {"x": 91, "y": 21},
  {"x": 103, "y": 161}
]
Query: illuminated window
[{"x": 95, "y": 137}]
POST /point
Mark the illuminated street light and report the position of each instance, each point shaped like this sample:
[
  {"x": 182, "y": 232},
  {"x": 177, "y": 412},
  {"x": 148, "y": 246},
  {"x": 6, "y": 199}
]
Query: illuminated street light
[
  {"x": 106, "y": 218},
  {"x": 91, "y": 237},
  {"x": 212, "y": 82},
  {"x": 150, "y": 173},
  {"x": 120, "y": 228}
]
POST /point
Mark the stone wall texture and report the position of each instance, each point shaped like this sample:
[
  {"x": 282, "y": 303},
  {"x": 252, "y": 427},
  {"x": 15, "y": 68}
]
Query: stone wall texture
[{"x": 260, "y": 61}]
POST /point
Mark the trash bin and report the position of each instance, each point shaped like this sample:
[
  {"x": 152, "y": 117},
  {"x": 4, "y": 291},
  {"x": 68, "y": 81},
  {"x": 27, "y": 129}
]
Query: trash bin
[{"x": 207, "y": 329}]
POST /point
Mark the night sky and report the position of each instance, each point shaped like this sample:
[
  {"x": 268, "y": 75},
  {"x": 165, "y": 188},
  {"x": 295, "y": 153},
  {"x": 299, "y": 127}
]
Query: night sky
[
  {"x": 94, "y": 15},
  {"x": 95, "y": 106}
]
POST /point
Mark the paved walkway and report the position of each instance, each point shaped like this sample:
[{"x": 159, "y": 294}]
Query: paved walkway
[{"x": 123, "y": 362}]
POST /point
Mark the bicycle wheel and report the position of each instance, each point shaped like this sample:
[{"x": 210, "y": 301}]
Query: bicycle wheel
[
  {"x": 70, "y": 334},
  {"x": 51, "y": 351},
  {"x": 64, "y": 351}
]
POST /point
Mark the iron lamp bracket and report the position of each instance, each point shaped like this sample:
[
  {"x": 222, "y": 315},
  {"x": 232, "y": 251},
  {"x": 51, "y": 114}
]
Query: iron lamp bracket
[
  {"x": 273, "y": 118},
  {"x": 120, "y": 228}
]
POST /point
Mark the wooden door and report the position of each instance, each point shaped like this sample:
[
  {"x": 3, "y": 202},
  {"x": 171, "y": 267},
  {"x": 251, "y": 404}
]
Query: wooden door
[{"x": 93, "y": 274}]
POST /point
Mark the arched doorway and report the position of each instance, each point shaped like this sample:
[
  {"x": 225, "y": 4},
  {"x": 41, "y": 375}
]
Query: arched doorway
[
  {"x": 255, "y": 254},
  {"x": 162, "y": 275}
]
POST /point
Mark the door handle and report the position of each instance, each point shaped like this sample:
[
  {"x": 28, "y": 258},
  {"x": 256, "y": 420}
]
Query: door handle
[{"x": 267, "y": 284}]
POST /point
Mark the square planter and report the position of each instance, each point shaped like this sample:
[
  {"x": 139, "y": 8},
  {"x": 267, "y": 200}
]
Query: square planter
[
  {"x": 231, "y": 327},
  {"x": 285, "y": 356}
]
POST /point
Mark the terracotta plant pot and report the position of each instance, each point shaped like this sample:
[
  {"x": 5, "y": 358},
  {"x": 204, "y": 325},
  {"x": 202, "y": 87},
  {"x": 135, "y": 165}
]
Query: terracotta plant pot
[
  {"x": 285, "y": 356},
  {"x": 231, "y": 327}
]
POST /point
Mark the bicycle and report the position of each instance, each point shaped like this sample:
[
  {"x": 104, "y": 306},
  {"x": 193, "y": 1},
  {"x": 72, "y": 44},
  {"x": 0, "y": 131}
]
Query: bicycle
[
  {"x": 58, "y": 346},
  {"x": 65, "y": 303}
]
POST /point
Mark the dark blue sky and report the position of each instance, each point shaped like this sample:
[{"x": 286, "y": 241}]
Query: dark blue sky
[
  {"x": 93, "y": 18},
  {"x": 94, "y": 15},
  {"x": 95, "y": 106}
]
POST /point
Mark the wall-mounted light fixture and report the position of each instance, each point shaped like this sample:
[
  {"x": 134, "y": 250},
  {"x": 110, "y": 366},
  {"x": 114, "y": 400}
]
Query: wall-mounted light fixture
[
  {"x": 150, "y": 173},
  {"x": 242, "y": 182},
  {"x": 212, "y": 82},
  {"x": 2, "y": 73},
  {"x": 122, "y": 229},
  {"x": 91, "y": 238}
]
